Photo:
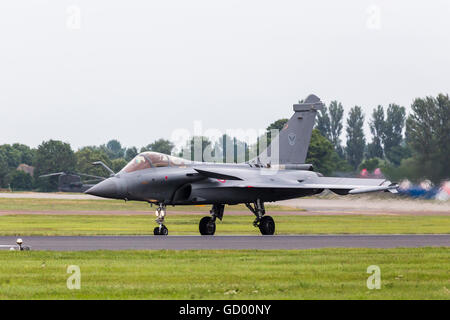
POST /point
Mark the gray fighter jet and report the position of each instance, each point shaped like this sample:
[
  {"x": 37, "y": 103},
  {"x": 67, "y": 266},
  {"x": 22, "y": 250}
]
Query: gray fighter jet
[{"x": 274, "y": 175}]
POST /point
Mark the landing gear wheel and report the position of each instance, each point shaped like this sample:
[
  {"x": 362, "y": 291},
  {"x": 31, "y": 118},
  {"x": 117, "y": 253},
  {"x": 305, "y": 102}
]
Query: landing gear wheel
[
  {"x": 207, "y": 226},
  {"x": 267, "y": 225},
  {"x": 163, "y": 231}
]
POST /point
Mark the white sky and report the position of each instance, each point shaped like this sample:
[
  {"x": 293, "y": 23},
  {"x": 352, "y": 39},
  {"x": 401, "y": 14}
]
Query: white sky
[{"x": 137, "y": 70}]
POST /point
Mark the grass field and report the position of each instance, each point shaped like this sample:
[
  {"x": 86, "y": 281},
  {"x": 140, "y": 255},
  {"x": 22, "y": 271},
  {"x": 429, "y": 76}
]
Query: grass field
[
  {"x": 413, "y": 273},
  {"x": 21, "y": 204},
  {"x": 421, "y": 273},
  {"x": 178, "y": 223},
  {"x": 23, "y": 225}
]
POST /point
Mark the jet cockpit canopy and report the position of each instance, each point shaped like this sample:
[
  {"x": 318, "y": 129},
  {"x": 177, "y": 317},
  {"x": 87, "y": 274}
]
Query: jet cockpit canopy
[{"x": 151, "y": 159}]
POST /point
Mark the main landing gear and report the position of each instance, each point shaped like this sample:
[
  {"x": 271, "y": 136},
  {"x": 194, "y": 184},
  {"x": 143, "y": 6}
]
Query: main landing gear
[
  {"x": 207, "y": 225},
  {"x": 160, "y": 214},
  {"x": 265, "y": 223}
]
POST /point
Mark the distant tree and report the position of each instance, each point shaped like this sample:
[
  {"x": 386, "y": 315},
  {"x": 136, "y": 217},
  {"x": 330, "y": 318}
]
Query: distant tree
[
  {"x": 321, "y": 154},
  {"x": 13, "y": 156},
  {"x": 131, "y": 153},
  {"x": 393, "y": 133},
  {"x": 21, "y": 180},
  {"x": 160, "y": 145},
  {"x": 114, "y": 149},
  {"x": 409, "y": 168},
  {"x": 355, "y": 137},
  {"x": 118, "y": 164},
  {"x": 336, "y": 111},
  {"x": 4, "y": 170},
  {"x": 26, "y": 153},
  {"x": 277, "y": 125},
  {"x": 53, "y": 156},
  {"x": 377, "y": 128},
  {"x": 323, "y": 123},
  {"x": 370, "y": 164},
  {"x": 86, "y": 156},
  {"x": 428, "y": 135},
  {"x": 10, "y": 158},
  {"x": 398, "y": 153}
]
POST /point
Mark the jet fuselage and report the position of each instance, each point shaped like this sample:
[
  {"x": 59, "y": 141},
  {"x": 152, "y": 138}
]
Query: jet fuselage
[{"x": 186, "y": 186}]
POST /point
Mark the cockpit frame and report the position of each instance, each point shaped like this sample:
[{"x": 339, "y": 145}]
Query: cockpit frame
[{"x": 152, "y": 160}]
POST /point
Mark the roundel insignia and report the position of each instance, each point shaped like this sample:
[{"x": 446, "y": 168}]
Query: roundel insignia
[
  {"x": 291, "y": 138},
  {"x": 221, "y": 180}
]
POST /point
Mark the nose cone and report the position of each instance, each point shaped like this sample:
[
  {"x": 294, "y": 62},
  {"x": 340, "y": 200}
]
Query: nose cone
[{"x": 106, "y": 189}]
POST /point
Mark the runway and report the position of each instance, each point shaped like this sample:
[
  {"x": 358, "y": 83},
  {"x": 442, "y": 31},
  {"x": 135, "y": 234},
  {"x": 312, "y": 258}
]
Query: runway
[{"x": 79, "y": 243}]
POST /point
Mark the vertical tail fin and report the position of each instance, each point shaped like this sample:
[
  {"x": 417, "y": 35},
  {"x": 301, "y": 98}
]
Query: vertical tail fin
[{"x": 291, "y": 144}]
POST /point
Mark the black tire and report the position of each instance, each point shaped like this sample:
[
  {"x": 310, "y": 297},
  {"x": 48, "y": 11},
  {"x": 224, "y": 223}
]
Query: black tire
[
  {"x": 161, "y": 232},
  {"x": 207, "y": 226},
  {"x": 164, "y": 231},
  {"x": 267, "y": 226}
]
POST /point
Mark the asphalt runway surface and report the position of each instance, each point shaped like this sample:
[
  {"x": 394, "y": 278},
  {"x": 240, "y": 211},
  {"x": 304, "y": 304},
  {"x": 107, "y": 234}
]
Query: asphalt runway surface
[{"x": 78, "y": 243}]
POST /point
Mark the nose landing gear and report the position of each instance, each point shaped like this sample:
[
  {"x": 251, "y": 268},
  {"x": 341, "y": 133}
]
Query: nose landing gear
[
  {"x": 265, "y": 223},
  {"x": 160, "y": 214}
]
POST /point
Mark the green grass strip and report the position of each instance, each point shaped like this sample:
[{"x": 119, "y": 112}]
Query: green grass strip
[
  {"x": 420, "y": 273},
  {"x": 24, "y": 225}
]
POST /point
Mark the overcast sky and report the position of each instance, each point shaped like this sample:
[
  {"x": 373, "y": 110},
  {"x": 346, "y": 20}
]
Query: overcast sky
[{"x": 88, "y": 71}]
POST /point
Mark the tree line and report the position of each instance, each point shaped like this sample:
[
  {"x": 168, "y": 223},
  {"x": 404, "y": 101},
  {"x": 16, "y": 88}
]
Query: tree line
[
  {"x": 413, "y": 146},
  {"x": 54, "y": 156}
]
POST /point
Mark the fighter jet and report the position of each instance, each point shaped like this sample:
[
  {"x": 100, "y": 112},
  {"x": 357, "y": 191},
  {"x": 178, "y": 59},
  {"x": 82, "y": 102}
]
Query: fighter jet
[{"x": 272, "y": 176}]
